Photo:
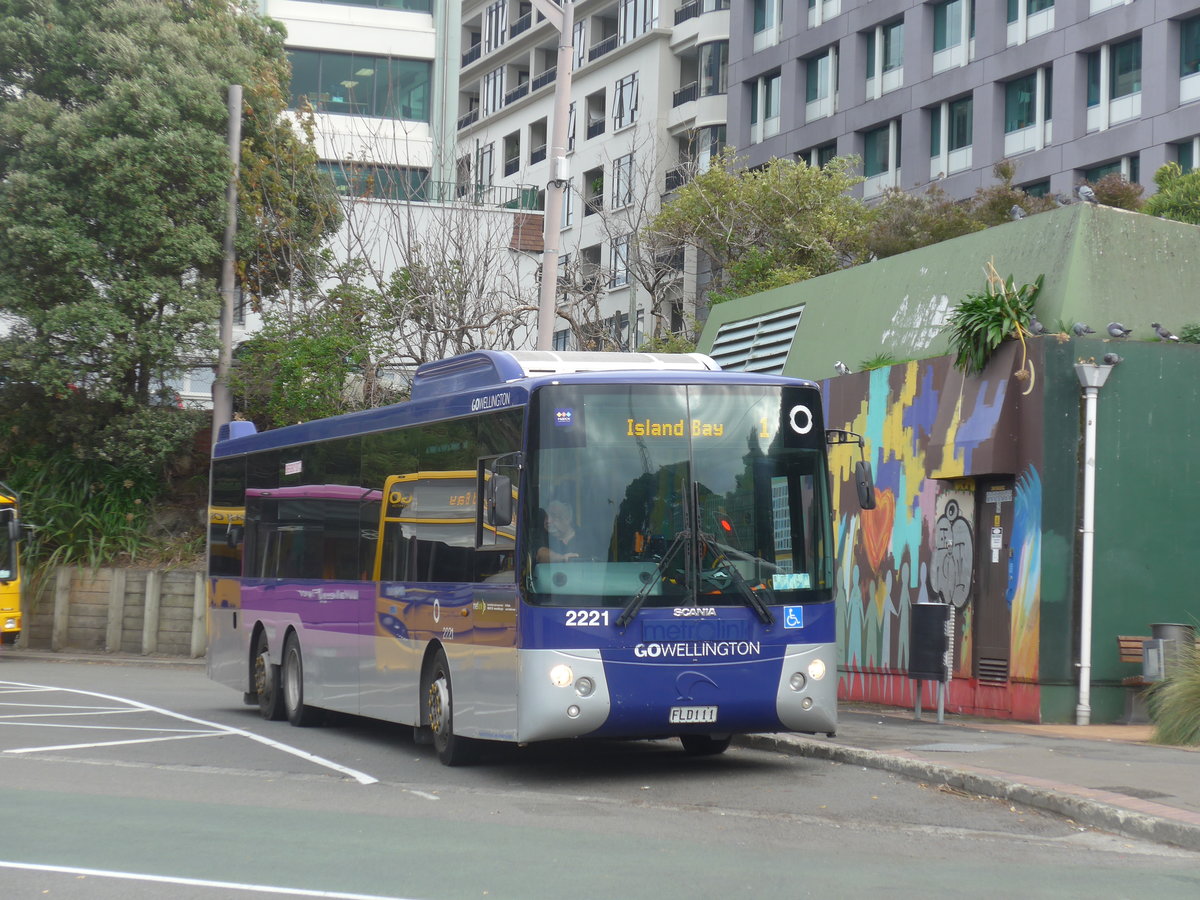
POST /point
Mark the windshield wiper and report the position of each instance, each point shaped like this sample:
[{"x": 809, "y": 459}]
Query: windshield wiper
[
  {"x": 744, "y": 590},
  {"x": 635, "y": 604}
]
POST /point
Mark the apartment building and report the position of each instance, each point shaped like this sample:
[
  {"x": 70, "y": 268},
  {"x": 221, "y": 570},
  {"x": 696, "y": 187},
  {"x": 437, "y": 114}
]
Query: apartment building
[
  {"x": 929, "y": 91},
  {"x": 647, "y": 103}
]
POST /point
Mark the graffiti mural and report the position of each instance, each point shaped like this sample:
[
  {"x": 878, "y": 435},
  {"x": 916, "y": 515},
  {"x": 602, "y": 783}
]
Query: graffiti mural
[{"x": 929, "y": 432}]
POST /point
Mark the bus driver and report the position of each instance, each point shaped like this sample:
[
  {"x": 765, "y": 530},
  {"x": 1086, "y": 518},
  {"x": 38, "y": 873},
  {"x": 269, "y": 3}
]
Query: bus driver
[{"x": 560, "y": 534}]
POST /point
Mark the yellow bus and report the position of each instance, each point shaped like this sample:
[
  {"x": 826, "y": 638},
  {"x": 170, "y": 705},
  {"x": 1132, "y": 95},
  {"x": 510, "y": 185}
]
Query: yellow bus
[{"x": 10, "y": 566}]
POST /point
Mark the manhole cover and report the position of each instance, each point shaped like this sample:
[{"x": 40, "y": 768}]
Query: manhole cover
[{"x": 959, "y": 748}]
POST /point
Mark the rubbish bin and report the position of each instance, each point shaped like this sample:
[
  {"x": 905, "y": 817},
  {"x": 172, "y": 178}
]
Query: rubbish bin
[{"x": 1178, "y": 640}]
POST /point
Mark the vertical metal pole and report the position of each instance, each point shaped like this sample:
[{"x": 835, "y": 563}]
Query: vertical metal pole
[
  {"x": 222, "y": 398},
  {"x": 1083, "y": 711},
  {"x": 547, "y": 297}
]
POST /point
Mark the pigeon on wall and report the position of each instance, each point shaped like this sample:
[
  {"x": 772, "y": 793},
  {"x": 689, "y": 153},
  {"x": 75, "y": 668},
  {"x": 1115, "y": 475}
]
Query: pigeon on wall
[
  {"x": 1016, "y": 213},
  {"x": 1081, "y": 329},
  {"x": 842, "y": 368},
  {"x": 1163, "y": 333},
  {"x": 1117, "y": 330},
  {"x": 1111, "y": 359},
  {"x": 1036, "y": 327},
  {"x": 1086, "y": 194}
]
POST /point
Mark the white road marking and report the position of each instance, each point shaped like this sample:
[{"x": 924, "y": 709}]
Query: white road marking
[
  {"x": 153, "y": 740},
  {"x": 195, "y": 882},
  {"x": 360, "y": 777}
]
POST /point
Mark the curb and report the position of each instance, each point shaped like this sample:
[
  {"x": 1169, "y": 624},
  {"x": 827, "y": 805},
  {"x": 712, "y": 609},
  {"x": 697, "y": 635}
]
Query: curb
[
  {"x": 1011, "y": 788},
  {"x": 115, "y": 659}
]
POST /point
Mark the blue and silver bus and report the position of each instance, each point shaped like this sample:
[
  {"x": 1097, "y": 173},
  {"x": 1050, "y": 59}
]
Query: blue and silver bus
[{"x": 536, "y": 546}]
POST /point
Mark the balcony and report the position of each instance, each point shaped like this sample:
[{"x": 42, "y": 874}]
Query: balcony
[
  {"x": 677, "y": 178},
  {"x": 595, "y": 129},
  {"x": 685, "y": 94},
  {"x": 522, "y": 24},
  {"x": 537, "y": 154},
  {"x": 469, "y": 119},
  {"x": 472, "y": 54},
  {"x": 593, "y": 205},
  {"x": 605, "y": 46},
  {"x": 545, "y": 78},
  {"x": 687, "y": 11},
  {"x": 511, "y": 166},
  {"x": 516, "y": 93}
]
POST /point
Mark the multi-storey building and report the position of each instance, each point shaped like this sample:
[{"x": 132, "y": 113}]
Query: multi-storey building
[
  {"x": 926, "y": 91},
  {"x": 647, "y": 102}
]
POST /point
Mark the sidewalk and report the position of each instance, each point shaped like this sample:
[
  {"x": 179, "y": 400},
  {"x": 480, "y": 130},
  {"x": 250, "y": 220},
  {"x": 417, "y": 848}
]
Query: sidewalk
[{"x": 1103, "y": 776}]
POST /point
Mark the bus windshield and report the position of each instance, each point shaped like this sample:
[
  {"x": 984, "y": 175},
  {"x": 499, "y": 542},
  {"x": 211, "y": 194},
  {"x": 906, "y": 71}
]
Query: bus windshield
[
  {"x": 676, "y": 495},
  {"x": 8, "y": 548}
]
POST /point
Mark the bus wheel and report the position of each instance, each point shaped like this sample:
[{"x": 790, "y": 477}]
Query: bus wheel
[
  {"x": 452, "y": 750},
  {"x": 705, "y": 744},
  {"x": 293, "y": 686},
  {"x": 266, "y": 682}
]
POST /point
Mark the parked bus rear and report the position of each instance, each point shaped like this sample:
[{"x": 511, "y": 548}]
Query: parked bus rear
[{"x": 10, "y": 566}]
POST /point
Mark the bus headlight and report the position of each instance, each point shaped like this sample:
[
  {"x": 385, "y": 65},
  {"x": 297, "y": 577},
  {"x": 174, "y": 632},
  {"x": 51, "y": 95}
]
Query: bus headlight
[
  {"x": 561, "y": 675},
  {"x": 816, "y": 669},
  {"x": 10, "y": 624}
]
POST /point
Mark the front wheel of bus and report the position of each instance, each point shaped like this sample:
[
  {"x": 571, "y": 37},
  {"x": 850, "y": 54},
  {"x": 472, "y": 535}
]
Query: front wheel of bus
[
  {"x": 293, "y": 686},
  {"x": 705, "y": 744},
  {"x": 452, "y": 750},
  {"x": 266, "y": 682}
]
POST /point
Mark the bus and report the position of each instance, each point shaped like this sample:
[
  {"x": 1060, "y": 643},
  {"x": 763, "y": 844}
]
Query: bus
[
  {"x": 536, "y": 546},
  {"x": 10, "y": 566}
]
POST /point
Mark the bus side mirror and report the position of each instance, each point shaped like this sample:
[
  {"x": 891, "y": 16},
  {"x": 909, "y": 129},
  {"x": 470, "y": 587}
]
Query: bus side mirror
[
  {"x": 16, "y": 533},
  {"x": 498, "y": 500},
  {"x": 864, "y": 482}
]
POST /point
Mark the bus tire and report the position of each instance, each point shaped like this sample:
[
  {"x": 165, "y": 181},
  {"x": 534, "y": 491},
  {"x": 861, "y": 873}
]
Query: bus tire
[
  {"x": 452, "y": 750},
  {"x": 292, "y": 682},
  {"x": 705, "y": 744},
  {"x": 266, "y": 682}
]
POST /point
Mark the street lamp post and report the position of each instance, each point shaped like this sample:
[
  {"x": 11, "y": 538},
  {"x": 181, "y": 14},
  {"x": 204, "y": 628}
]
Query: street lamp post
[
  {"x": 222, "y": 397},
  {"x": 562, "y": 18},
  {"x": 1091, "y": 379}
]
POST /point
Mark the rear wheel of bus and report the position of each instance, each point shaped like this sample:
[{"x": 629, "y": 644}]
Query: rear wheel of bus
[
  {"x": 452, "y": 750},
  {"x": 292, "y": 679},
  {"x": 266, "y": 681}
]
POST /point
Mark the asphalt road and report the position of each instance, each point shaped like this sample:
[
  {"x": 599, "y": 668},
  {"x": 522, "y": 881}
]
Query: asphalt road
[{"x": 140, "y": 781}]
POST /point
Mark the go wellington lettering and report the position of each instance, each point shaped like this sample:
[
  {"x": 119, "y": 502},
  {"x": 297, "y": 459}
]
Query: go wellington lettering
[
  {"x": 492, "y": 401},
  {"x": 705, "y": 648}
]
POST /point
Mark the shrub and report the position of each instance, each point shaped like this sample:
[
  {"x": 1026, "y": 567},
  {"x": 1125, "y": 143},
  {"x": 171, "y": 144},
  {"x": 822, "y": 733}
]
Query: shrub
[{"x": 1176, "y": 703}]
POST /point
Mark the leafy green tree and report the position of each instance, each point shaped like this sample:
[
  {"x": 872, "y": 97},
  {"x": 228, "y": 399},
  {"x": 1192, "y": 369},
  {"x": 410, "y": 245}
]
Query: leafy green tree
[
  {"x": 1178, "y": 195},
  {"x": 902, "y": 221},
  {"x": 769, "y": 226},
  {"x": 113, "y": 166}
]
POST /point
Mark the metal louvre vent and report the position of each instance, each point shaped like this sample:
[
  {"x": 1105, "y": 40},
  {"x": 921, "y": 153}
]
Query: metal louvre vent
[
  {"x": 993, "y": 670},
  {"x": 760, "y": 344}
]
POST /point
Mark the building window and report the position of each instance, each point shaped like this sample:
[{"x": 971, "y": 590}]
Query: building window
[
  {"x": 579, "y": 46},
  {"x": 953, "y": 30},
  {"x": 1129, "y": 167},
  {"x": 1029, "y": 18},
  {"x": 622, "y": 181},
  {"x": 820, "y": 85},
  {"x": 881, "y": 158},
  {"x": 495, "y": 25},
  {"x": 493, "y": 91},
  {"x": 885, "y": 59},
  {"x": 714, "y": 66},
  {"x": 625, "y": 101},
  {"x": 352, "y": 84},
  {"x": 768, "y": 15},
  {"x": 710, "y": 142},
  {"x": 635, "y": 18},
  {"x": 1187, "y": 153},
  {"x": 620, "y": 262},
  {"x": 950, "y": 127},
  {"x": 821, "y": 11},
  {"x": 764, "y": 107},
  {"x": 568, "y": 212},
  {"x": 1027, "y": 109},
  {"x": 571, "y": 128},
  {"x": 817, "y": 157},
  {"x": 370, "y": 182},
  {"x": 1114, "y": 84}
]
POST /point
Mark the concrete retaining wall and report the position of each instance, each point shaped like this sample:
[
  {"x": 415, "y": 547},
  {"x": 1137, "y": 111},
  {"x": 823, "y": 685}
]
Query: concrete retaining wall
[{"x": 118, "y": 611}]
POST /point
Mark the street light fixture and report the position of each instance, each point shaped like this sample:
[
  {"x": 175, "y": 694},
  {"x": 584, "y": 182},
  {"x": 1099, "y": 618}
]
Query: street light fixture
[{"x": 1091, "y": 378}]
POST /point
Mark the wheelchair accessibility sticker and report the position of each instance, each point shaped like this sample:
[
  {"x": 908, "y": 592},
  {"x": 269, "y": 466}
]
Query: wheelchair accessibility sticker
[{"x": 793, "y": 617}]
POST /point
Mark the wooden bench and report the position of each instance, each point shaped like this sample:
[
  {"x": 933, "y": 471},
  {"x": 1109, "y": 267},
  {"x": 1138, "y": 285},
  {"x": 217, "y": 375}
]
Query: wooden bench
[{"x": 1130, "y": 650}]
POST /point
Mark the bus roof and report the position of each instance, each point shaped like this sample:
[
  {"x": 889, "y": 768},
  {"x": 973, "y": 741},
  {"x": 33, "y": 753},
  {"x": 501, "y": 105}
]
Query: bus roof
[{"x": 491, "y": 380}]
